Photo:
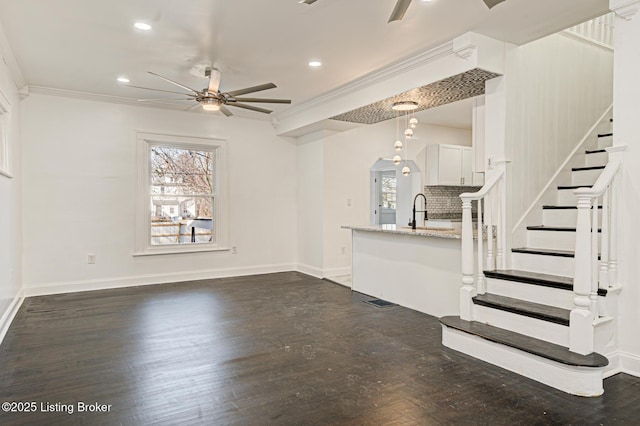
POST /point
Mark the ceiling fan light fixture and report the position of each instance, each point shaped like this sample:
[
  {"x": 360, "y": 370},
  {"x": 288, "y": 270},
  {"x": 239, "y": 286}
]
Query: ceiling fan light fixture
[
  {"x": 405, "y": 106},
  {"x": 210, "y": 104}
]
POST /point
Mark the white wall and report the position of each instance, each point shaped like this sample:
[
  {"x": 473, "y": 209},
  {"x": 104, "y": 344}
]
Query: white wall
[
  {"x": 556, "y": 89},
  {"x": 79, "y": 188},
  {"x": 626, "y": 131},
  {"x": 310, "y": 204},
  {"x": 10, "y": 211},
  {"x": 348, "y": 157}
]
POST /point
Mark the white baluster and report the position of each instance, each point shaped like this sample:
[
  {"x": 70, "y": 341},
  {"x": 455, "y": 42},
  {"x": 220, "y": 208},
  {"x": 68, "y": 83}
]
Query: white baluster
[
  {"x": 594, "y": 259},
  {"x": 613, "y": 232},
  {"x": 603, "y": 276},
  {"x": 488, "y": 205},
  {"x": 480, "y": 284},
  {"x": 581, "y": 318},
  {"x": 502, "y": 233},
  {"x": 467, "y": 291}
]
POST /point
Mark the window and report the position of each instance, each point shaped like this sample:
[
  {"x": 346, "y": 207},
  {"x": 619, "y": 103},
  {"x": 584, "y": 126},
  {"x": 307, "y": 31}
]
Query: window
[
  {"x": 389, "y": 183},
  {"x": 182, "y": 197}
]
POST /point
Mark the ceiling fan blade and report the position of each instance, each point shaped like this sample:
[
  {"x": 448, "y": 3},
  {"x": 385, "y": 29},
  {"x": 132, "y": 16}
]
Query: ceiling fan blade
[
  {"x": 491, "y": 3},
  {"x": 214, "y": 80},
  {"x": 198, "y": 105},
  {"x": 253, "y": 89},
  {"x": 225, "y": 111},
  {"x": 307, "y": 1},
  {"x": 251, "y": 107},
  {"x": 160, "y": 90},
  {"x": 268, "y": 101},
  {"x": 173, "y": 82},
  {"x": 400, "y": 10},
  {"x": 154, "y": 100}
]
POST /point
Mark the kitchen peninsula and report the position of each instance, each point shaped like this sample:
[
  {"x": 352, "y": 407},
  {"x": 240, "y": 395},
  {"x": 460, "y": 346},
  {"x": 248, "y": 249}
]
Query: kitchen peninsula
[{"x": 419, "y": 269}]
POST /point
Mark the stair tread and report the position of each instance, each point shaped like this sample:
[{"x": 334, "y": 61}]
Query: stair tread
[
  {"x": 579, "y": 169},
  {"x": 547, "y": 252},
  {"x": 553, "y": 228},
  {"x": 604, "y": 135},
  {"x": 574, "y": 186},
  {"x": 551, "y": 207},
  {"x": 595, "y": 151},
  {"x": 527, "y": 344},
  {"x": 536, "y": 278},
  {"x": 522, "y": 307},
  {"x": 529, "y": 276}
]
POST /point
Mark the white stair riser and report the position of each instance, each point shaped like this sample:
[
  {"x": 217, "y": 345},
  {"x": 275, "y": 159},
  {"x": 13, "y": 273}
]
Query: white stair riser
[
  {"x": 573, "y": 380},
  {"x": 605, "y": 142},
  {"x": 557, "y": 240},
  {"x": 564, "y": 217},
  {"x": 585, "y": 177},
  {"x": 567, "y": 198},
  {"x": 531, "y": 293},
  {"x": 597, "y": 159},
  {"x": 539, "y": 329},
  {"x": 553, "y": 265}
]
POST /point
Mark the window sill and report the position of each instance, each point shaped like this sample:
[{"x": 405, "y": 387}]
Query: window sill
[{"x": 178, "y": 250}]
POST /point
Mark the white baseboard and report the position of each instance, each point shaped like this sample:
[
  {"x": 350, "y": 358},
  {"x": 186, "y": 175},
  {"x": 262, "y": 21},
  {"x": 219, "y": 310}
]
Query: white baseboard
[
  {"x": 138, "y": 280},
  {"x": 336, "y": 272},
  {"x": 10, "y": 314},
  {"x": 629, "y": 363},
  {"x": 309, "y": 270}
]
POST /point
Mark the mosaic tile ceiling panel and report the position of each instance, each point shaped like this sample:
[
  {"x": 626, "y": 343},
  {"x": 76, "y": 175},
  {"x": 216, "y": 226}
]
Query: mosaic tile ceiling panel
[{"x": 451, "y": 89}]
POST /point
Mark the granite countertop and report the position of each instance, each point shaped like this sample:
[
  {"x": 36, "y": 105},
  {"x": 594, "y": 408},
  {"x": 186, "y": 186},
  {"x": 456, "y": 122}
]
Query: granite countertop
[{"x": 449, "y": 233}]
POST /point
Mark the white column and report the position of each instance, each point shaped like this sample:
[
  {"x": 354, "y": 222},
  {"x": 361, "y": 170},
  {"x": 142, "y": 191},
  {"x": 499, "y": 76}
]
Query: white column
[
  {"x": 467, "y": 291},
  {"x": 581, "y": 318}
]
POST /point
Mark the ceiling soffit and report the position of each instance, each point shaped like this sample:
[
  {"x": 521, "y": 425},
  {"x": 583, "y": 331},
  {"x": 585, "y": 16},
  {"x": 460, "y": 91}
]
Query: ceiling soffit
[{"x": 451, "y": 89}]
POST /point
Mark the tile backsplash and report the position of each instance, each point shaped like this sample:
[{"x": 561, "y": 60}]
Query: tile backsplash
[{"x": 443, "y": 202}]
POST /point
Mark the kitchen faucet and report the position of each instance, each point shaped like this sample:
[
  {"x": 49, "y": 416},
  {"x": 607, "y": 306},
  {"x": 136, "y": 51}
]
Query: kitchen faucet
[{"x": 413, "y": 219}]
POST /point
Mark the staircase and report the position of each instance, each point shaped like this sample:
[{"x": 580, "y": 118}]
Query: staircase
[{"x": 543, "y": 317}]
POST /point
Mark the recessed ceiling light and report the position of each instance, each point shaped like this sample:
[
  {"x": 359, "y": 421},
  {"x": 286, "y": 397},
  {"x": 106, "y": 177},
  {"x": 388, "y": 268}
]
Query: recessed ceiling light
[
  {"x": 123, "y": 79},
  {"x": 315, "y": 64},
  {"x": 142, "y": 26}
]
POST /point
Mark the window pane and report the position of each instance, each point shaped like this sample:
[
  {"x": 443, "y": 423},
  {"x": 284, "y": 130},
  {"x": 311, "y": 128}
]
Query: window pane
[
  {"x": 177, "y": 171},
  {"x": 389, "y": 184},
  {"x": 181, "y": 220}
]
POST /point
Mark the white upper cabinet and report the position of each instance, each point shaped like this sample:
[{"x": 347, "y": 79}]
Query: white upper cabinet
[{"x": 450, "y": 165}]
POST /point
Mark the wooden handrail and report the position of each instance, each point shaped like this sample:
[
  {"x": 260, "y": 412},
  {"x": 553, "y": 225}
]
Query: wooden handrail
[{"x": 603, "y": 182}]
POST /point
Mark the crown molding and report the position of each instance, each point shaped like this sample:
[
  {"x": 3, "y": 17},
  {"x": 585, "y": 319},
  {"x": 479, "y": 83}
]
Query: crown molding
[
  {"x": 394, "y": 69},
  {"x": 96, "y": 97},
  {"x": 464, "y": 46},
  {"x": 10, "y": 60},
  {"x": 625, "y": 9}
]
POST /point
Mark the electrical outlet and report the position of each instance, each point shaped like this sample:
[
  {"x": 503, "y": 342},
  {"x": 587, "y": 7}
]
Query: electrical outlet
[
  {"x": 348, "y": 202},
  {"x": 234, "y": 250},
  {"x": 91, "y": 259},
  {"x": 490, "y": 164}
]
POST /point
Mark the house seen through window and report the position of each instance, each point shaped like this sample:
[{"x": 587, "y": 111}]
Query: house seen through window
[{"x": 181, "y": 195}]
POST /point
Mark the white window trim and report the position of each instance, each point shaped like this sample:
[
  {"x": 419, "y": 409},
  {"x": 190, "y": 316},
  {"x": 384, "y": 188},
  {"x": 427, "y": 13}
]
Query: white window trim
[{"x": 143, "y": 245}]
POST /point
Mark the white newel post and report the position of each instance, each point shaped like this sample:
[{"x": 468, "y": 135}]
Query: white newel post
[
  {"x": 467, "y": 291},
  {"x": 581, "y": 319}
]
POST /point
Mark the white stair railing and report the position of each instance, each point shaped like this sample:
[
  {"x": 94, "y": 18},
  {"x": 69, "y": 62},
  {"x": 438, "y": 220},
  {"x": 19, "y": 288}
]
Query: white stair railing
[
  {"x": 599, "y": 30},
  {"x": 492, "y": 196},
  {"x": 595, "y": 258}
]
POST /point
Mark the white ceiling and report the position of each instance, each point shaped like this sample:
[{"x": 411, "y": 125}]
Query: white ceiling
[{"x": 83, "y": 45}]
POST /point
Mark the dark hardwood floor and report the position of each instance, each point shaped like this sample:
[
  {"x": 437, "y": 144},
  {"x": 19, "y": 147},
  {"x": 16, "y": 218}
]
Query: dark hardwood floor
[{"x": 272, "y": 349}]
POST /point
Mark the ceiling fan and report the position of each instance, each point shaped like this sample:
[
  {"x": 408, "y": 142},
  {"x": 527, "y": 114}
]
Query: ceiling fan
[
  {"x": 212, "y": 99},
  {"x": 403, "y": 5}
]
